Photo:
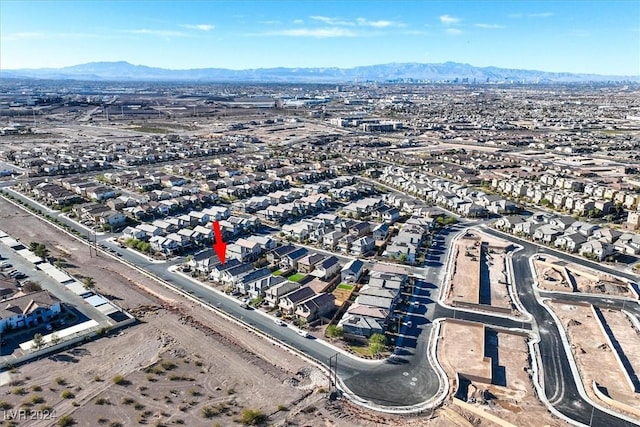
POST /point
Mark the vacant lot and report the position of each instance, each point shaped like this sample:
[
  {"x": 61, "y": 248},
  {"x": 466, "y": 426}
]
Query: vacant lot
[
  {"x": 593, "y": 355},
  {"x": 478, "y": 273},
  {"x": 504, "y": 358},
  {"x": 554, "y": 274}
]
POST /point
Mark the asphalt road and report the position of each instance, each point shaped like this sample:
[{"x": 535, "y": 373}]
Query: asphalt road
[{"x": 559, "y": 385}]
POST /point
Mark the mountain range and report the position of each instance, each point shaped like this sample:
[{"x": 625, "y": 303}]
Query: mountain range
[{"x": 445, "y": 72}]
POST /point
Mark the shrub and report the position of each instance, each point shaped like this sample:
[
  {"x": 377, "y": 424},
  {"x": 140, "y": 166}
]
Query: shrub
[
  {"x": 282, "y": 407},
  {"x": 36, "y": 388},
  {"x": 102, "y": 401},
  {"x": 5, "y": 406},
  {"x": 65, "y": 421},
  {"x": 127, "y": 401},
  {"x": 19, "y": 391},
  {"x": 120, "y": 380},
  {"x": 334, "y": 331},
  {"x": 252, "y": 417},
  {"x": 36, "y": 399},
  {"x": 168, "y": 365},
  {"x": 67, "y": 394},
  {"x": 60, "y": 381}
]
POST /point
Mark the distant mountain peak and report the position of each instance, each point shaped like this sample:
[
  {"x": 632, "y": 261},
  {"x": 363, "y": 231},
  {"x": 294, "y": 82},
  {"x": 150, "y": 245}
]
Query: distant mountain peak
[{"x": 440, "y": 72}]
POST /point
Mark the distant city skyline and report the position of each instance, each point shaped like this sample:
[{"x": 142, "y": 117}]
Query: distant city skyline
[{"x": 601, "y": 37}]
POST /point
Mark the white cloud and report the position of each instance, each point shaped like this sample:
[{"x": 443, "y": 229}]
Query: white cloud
[
  {"x": 453, "y": 31},
  {"x": 321, "y": 33},
  {"x": 332, "y": 21},
  {"x": 157, "y": 33},
  {"x": 379, "y": 24},
  {"x": 270, "y": 22},
  {"x": 489, "y": 26},
  {"x": 360, "y": 22},
  {"x": 449, "y": 20},
  {"x": 201, "y": 27},
  {"x": 298, "y": 21}
]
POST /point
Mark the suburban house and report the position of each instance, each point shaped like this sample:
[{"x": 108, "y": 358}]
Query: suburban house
[
  {"x": 362, "y": 246},
  {"x": 244, "y": 250},
  {"x": 288, "y": 302},
  {"x": 380, "y": 231},
  {"x": 277, "y": 291},
  {"x": 203, "y": 261},
  {"x": 570, "y": 242},
  {"x": 275, "y": 256},
  {"x": 330, "y": 240},
  {"x": 363, "y": 325},
  {"x": 327, "y": 268},
  {"x": 233, "y": 275},
  {"x": 215, "y": 271},
  {"x": 352, "y": 271},
  {"x": 165, "y": 245},
  {"x": 307, "y": 263},
  {"x": 28, "y": 310},
  {"x": 290, "y": 260},
  {"x": 259, "y": 286},
  {"x": 600, "y": 250},
  {"x": 251, "y": 281},
  {"x": 315, "y": 307}
]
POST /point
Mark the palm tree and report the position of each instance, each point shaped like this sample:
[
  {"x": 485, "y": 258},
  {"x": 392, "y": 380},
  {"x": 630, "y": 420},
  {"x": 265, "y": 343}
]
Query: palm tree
[{"x": 89, "y": 283}]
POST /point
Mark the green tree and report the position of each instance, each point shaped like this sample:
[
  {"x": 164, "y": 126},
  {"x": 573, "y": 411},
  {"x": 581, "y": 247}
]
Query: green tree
[
  {"x": 375, "y": 348},
  {"x": 38, "y": 341},
  {"x": 378, "y": 339},
  {"x": 89, "y": 283}
]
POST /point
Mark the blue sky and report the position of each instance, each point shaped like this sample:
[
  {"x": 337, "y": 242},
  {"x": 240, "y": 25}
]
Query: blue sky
[{"x": 574, "y": 36}]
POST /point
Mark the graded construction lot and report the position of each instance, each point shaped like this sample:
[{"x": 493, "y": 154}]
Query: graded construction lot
[
  {"x": 478, "y": 273},
  {"x": 595, "y": 357},
  {"x": 554, "y": 274},
  {"x": 493, "y": 368}
]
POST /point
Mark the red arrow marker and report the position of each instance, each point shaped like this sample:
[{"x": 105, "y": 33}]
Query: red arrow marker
[{"x": 219, "y": 245}]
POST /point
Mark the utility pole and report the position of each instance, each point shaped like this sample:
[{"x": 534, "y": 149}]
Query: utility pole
[{"x": 333, "y": 373}]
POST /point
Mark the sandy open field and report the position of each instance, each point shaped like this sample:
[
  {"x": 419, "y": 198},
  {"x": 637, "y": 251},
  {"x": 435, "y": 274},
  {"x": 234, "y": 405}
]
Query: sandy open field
[
  {"x": 554, "y": 274},
  {"x": 595, "y": 359},
  {"x": 467, "y": 271},
  {"x": 510, "y": 394}
]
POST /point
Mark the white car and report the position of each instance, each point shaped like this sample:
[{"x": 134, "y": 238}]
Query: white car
[
  {"x": 303, "y": 333},
  {"x": 279, "y": 322}
]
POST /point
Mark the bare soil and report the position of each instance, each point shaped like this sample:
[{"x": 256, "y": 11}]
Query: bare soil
[
  {"x": 508, "y": 402},
  {"x": 554, "y": 274},
  {"x": 465, "y": 276},
  {"x": 594, "y": 357}
]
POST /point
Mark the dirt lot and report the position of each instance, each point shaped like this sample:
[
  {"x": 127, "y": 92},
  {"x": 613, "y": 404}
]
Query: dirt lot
[
  {"x": 466, "y": 274},
  {"x": 554, "y": 274},
  {"x": 594, "y": 357},
  {"x": 183, "y": 363},
  {"x": 511, "y": 393}
]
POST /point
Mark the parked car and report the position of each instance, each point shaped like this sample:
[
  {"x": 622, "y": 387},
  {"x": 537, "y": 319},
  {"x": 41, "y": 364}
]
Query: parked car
[
  {"x": 303, "y": 333},
  {"x": 279, "y": 322}
]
